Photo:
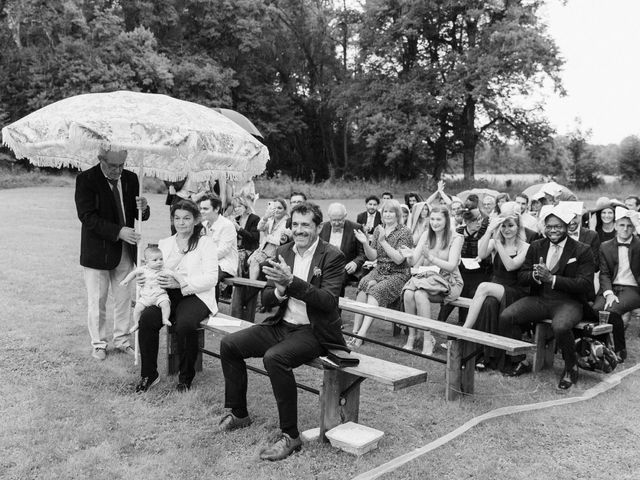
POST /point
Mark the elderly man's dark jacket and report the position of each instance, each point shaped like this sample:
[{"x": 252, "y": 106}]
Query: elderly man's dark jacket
[{"x": 100, "y": 247}]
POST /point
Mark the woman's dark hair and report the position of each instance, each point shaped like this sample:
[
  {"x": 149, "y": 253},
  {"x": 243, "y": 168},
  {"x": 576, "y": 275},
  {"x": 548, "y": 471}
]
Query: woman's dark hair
[
  {"x": 470, "y": 210},
  {"x": 282, "y": 202},
  {"x": 431, "y": 235},
  {"x": 415, "y": 195},
  {"x": 193, "y": 209}
]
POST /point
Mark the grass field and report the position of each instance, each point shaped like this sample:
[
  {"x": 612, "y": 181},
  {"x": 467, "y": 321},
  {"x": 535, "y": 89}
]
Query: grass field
[{"x": 67, "y": 416}]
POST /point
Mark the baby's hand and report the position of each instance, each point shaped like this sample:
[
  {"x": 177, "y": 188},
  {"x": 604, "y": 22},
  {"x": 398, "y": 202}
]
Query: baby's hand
[{"x": 166, "y": 322}]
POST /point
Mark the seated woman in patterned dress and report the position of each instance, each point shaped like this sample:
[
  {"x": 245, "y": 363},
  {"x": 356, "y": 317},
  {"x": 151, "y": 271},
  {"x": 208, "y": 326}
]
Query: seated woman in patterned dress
[
  {"x": 505, "y": 241},
  {"x": 440, "y": 247},
  {"x": 383, "y": 285}
]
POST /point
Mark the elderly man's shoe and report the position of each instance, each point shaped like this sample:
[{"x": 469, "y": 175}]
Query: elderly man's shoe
[
  {"x": 283, "y": 447},
  {"x": 99, "y": 353},
  {"x": 229, "y": 422},
  {"x": 568, "y": 379}
]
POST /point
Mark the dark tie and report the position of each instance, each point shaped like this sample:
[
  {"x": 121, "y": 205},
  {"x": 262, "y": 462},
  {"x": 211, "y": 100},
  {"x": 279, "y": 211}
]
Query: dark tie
[
  {"x": 623, "y": 245},
  {"x": 116, "y": 197}
]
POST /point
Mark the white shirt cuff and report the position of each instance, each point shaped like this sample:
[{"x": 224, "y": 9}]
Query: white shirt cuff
[
  {"x": 553, "y": 282},
  {"x": 280, "y": 298},
  {"x": 607, "y": 292}
]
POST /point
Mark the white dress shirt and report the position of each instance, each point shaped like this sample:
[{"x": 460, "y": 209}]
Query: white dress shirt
[
  {"x": 336, "y": 237},
  {"x": 624, "y": 275},
  {"x": 296, "y": 311},
  {"x": 224, "y": 235}
]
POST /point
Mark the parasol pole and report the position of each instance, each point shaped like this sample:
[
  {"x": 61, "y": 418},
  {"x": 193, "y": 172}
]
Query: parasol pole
[{"x": 140, "y": 248}]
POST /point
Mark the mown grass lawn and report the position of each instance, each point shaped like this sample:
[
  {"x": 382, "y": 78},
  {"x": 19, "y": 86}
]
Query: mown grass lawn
[{"x": 64, "y": 415}]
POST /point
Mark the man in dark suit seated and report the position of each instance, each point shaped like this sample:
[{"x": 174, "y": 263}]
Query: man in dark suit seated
[
  {"x": 370, "y": 218},
  {"x": 306, "y": 277},
  {"x": 620, "y": 276},
  {"x": 560, "y": 272},
  {"x": 338, "y": 231},
  {"x": 581, "y": 234}
]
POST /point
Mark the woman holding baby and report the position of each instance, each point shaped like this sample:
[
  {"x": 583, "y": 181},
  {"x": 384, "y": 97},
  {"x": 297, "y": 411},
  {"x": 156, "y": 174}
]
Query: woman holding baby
[{"x": 190, "y": 277}]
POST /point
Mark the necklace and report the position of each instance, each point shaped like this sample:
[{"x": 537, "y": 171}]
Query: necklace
[{"x": 182, "y": 245}]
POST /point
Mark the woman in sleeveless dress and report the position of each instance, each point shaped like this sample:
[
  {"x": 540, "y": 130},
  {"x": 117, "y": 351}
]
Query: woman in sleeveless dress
[
  {"x": 505, "y": 241},
  {"x": 438, "y": 247}
]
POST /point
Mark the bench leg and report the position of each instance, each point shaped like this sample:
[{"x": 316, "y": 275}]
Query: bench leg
[
  {"x": 459, "y": 376},
  {"x": 545, "y": 347},
  {"x": 243, "y": 302},
  {"x": 339, "y": 400},
  {"x": 173, "y": 359}
]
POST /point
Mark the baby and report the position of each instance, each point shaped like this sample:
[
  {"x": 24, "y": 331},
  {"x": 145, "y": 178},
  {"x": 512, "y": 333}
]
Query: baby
[{"x": 151, "y": 292}]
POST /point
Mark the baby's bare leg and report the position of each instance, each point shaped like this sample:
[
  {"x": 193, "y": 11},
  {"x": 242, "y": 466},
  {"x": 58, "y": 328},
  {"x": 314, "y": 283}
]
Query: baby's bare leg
[
  {"x": 165, "y": 306},
  {"x": 137, "y": 311}
]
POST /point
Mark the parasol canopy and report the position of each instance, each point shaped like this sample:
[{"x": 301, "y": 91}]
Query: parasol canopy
[
  {"x": 241, "y": 120},
  {"x": 164, "y": 137},
  {"x": 564, "y": 194}
]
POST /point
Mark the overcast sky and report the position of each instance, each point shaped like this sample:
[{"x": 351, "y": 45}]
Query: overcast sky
[{"x": 600, "y": 41}]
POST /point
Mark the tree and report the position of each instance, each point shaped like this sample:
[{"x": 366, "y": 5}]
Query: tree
[
  {"x": 582, "y": 170},
  {"x": 465, "y": 61},
  {"x": 629, "y": 158}
]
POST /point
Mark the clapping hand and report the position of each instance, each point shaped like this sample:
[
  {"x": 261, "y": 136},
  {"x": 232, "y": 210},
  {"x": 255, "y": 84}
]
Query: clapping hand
[
  {"x": 382, "y": 235},
  {"x": 406, "y": 252},
  {"x": 541, "y": 272},
  {"x": 361, "y": 236},
  {"x": 494, "y": 224},
  {"x": 279, "y": 273},
  {"x": 441, "y": 185}
]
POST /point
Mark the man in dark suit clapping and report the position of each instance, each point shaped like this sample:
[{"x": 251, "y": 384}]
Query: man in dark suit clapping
[
  {"x": 339, "y": 232},
  {"x": 560, "y": 272},
  {"x": 620, "y": 276},
  {"x": 307, "y": 276}
]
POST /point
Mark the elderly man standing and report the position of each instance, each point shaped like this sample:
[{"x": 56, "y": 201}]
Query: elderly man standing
[
  {"x": 223, "y": 234},
  {"x": 339, "y": 232},
  {"x": 307, "y": 276},
  {"x": 620, "y": 275},
  {"x": 107, "y": 204},
  {"x": 559, "y": 271}
]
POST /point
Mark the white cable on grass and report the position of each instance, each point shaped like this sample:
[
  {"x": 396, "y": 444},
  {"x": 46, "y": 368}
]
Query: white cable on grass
[{"x": 608, "y": 383}]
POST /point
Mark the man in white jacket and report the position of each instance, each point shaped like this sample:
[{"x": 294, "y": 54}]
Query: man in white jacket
[{"x": 223, "y": 234}]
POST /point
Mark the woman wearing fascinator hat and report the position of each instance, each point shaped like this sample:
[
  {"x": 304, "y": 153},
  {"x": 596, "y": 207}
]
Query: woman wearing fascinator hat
[{"x": 503, "y": 242}]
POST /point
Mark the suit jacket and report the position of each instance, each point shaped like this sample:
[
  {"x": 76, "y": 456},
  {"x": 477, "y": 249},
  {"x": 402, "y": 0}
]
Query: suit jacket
[
  {"x": 574, "y": 271},
  {"x": 362, "y": 219},
  {"x": 609, "y": 262},
  {"x": 319, "y": 291},
  {"x": 591, "y": 238},
  {"x": 249, "y": 236},
  {"x": 100, "y": 247},
  {"x": 350, "y": 246}
]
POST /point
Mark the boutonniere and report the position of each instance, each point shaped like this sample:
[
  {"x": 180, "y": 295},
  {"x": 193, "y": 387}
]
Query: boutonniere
[{"x": 317, "y": 272}]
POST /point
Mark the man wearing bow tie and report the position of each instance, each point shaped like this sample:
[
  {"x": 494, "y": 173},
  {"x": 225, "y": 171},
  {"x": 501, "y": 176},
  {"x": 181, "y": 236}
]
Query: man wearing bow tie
[
  {"x": 559, "y": 272},
  {"x": 306, "y": 277},
  {"x": 620, "y": 276}
]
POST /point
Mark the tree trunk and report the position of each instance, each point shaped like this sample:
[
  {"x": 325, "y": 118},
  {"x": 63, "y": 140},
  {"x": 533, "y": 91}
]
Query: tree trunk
[{"x": 469, "y": 138}]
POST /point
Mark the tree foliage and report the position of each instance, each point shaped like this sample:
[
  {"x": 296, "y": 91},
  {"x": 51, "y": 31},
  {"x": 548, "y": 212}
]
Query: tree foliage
[
  {"x": 391, "y": 88},
  {"x": 629, "y": 158}
]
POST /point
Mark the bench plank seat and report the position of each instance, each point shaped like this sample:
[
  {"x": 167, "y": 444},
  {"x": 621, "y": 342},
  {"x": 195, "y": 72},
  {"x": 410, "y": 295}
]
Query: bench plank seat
[
  {"x": 504, "y": 343},
  {"x": 390, "y": 374},
  {"x": 340, "y": 392}
]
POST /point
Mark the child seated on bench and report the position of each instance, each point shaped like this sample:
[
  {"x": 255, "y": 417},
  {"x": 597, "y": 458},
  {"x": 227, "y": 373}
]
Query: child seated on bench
[{"x": 151, "y": 292}]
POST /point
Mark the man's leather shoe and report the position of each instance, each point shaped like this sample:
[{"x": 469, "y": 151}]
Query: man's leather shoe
[
  {"x": 568, "y": 379},
  {"x": 520, "y": 369},
  {"x": 230, "y": 422},
  {"x": 283, "y": 447},
  {"x": 146, "y": 383},
  {"x": 622, "y": 355}
]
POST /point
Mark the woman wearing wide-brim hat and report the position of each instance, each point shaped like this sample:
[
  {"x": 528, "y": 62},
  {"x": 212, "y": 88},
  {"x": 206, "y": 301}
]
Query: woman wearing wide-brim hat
[{"x": 602, "y": 218}]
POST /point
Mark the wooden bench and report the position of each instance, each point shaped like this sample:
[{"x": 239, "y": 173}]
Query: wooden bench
[
  {"x": 462, "y": 343},
  {"x": 544, "y": 340},
  {"x": 546, "y": 345},
  {"x": 340, "y": 391},
  {"x": 460, "y": 361}
]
